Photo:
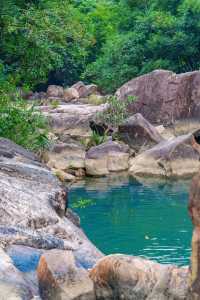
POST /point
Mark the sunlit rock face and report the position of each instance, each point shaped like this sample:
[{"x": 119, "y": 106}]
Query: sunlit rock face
[{"x": 163, "y": 96}]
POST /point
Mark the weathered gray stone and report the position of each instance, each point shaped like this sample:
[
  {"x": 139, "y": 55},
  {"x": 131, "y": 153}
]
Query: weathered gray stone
[
  {"x": 72, "y": 119},
  {"x": 64, "y": 156},
  {"x": 70, "y": 94},
  {"x": 81, "y": 89}
]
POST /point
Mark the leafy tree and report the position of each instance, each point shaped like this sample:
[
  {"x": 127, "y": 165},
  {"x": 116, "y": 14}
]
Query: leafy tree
[
  {"x": 36, "y": 36},
  {"x": 156, "y": 36}
]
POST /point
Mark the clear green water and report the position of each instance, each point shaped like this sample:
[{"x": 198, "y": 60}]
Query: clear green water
[{"x": 146, "y": 218}]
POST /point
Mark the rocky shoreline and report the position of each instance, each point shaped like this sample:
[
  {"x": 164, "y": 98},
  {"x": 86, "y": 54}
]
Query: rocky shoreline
[
  {"x": 137, "y": 146},
  {"x": 35, "y": 219},
  {"x": 36, "y": 224}
]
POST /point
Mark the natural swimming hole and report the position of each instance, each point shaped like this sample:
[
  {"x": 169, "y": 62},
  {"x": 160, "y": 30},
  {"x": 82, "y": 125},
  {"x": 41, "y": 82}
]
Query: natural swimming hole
[{"x": 147, "y": 218}]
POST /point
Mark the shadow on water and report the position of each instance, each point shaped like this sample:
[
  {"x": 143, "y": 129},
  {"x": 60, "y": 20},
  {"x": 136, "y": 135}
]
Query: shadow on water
[{"x": 143, "y": 217}]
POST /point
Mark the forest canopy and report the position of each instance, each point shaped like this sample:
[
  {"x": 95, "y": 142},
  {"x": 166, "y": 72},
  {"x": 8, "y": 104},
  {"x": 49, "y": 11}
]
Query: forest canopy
[{"x": 105, "y": 42}]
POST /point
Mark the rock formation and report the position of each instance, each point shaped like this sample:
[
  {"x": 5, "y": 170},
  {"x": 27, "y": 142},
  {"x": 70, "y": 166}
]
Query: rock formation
[
  {"x": 60, "y": 278},
  {"x": 126, "y": 277},
  {"x": 55, "y": 92},
  {"x": 163, "y": 96},
  {"x": 33, "y": 206},
  {"x": 107, "y": 157},
  {"x": 72, "y": 119},
  {"x": 138, "y": 133},
  {"x": 178, "y": 157}
]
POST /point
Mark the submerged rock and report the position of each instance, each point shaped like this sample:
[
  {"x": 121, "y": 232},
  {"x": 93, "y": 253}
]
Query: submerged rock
[
  {"x": 132, "y": 278},
  {"x": 178, "y": 157}
]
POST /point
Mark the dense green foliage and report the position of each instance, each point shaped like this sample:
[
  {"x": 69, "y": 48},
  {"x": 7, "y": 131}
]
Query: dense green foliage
[
  {"x": 23, "y": 124},
  {"x": 104, "y": 41},
  {"x": 20, "y": 121}
]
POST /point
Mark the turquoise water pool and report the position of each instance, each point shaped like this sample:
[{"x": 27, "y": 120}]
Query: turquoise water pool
[{"x": 145, "y": 218}]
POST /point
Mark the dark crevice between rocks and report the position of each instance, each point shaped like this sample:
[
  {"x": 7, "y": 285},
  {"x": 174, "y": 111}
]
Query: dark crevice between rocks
[{"x": 196, "y": 136}]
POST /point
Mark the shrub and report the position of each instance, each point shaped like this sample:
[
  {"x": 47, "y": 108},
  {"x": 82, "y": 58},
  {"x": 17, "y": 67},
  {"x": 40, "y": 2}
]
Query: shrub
[
  {"x": 97, "y": 139},
  {"x": 117, "y": 111},
  {"x": 21, "y": 123}
]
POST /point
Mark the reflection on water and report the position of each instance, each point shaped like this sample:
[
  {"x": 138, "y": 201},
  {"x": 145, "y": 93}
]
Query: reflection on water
[{"x": 147, "y": 218}]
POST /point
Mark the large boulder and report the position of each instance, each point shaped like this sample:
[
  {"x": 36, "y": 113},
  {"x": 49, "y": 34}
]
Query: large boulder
[
  {"x": 70, "y": 94},
  {"x": 178, "y": 157},
  {"x": 85, "y": 90},
  {"x": 163, "y": 96},
  {"x": 81, "y": 89},
  {"x": 60, "y": 278},
  {"x": 64, "y": 156},
  {"x": 132, "y": 278},
  {"x": 107, "y": 157},
  {"x": 55, "y": 91},
  {"x": 138, "y": 133},
  {"x": 33, "y": 204}
]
